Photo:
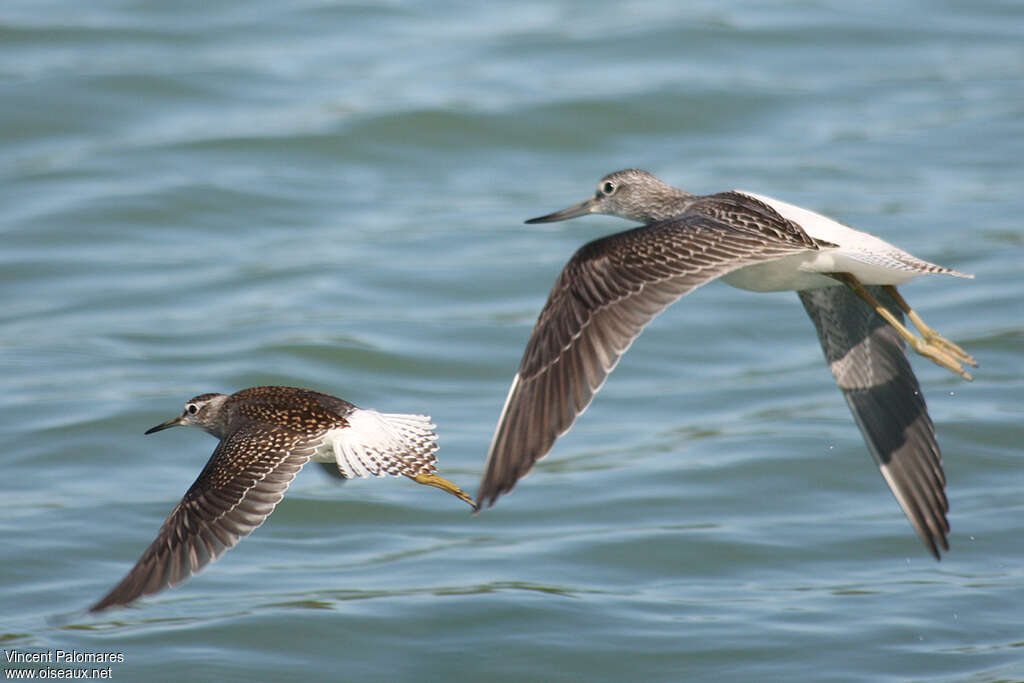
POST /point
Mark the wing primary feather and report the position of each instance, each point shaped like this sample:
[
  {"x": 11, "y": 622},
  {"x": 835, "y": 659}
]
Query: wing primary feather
[
  {"x": 233, "y": 495},
  {"x": 867, "y": 358}
]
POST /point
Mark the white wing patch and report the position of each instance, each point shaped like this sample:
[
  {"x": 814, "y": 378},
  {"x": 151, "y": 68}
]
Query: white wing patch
[{"x": 380, "y": 444}]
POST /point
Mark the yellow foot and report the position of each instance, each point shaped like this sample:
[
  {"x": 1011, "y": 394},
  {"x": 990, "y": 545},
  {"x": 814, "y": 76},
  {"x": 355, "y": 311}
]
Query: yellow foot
[
  {"x": 937, "y": 340},
  {"x": 930, "y": 337},
  {"x": 938, "y": 353},
  {"x": 444, "y": 485}
]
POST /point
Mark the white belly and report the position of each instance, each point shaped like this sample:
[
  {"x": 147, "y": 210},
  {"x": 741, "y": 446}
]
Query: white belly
[{"x": 783, "y": 274}]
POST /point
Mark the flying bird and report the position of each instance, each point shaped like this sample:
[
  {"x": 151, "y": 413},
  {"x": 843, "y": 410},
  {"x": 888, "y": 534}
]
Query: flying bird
[
  {"x": 266, "y": 435},
  {"x": 846, "y": 279}
]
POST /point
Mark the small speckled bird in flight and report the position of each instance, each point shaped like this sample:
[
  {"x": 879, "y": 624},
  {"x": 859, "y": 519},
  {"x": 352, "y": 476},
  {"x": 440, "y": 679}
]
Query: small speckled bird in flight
[{"x": 266, "y": 435}]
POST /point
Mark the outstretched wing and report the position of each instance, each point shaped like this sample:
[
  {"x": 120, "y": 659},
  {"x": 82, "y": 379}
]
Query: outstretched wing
[
  {"x": 607, "y": 293},
  {"x": 240, "y": 486},
  {"x": 866, "y": 356}
]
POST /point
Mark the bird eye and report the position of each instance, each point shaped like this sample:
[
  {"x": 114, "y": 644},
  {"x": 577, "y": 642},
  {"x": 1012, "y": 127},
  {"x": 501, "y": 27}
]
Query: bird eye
[
  {"x": 608, "y": 188},
  {"x": 191, "y": 409}
]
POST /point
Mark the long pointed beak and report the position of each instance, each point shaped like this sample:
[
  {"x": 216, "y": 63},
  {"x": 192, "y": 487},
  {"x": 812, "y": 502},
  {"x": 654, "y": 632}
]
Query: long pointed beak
[
  {"x": 173, "y": 422},
  {"x": 580, "y": 209}
]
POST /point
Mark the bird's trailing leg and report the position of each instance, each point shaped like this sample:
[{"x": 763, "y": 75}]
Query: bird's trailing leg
[
  {"x": 443, "y": 484},
  {"x": 930, "y": 335},
  {"x": 931, "y": 349}
]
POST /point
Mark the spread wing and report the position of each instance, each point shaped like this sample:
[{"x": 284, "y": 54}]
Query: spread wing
[
  {"x": 240, "y": 486},
  {"x": 607, "y": 293},
  {"x": 867, "y": 359}
]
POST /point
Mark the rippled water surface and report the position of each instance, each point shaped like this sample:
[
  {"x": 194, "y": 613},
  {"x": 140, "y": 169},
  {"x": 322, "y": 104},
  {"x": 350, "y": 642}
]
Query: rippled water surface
[{"x": 199, "y": 197}]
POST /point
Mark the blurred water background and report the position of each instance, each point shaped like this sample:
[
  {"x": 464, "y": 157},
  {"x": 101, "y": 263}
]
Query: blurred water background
[{"x": 203, "y": 197}]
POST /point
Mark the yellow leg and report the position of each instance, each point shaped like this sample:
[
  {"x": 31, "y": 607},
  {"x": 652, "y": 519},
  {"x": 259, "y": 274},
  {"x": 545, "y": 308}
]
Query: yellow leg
[
  {"x": 927, "y": 348},
  {"x": 930, "y": 335},
  {"x": 443, "y": 484}
]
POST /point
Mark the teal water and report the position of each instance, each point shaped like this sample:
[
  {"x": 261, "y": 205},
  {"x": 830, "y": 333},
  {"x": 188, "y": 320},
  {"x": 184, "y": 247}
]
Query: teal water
[{"x": 202, "y": 198}]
